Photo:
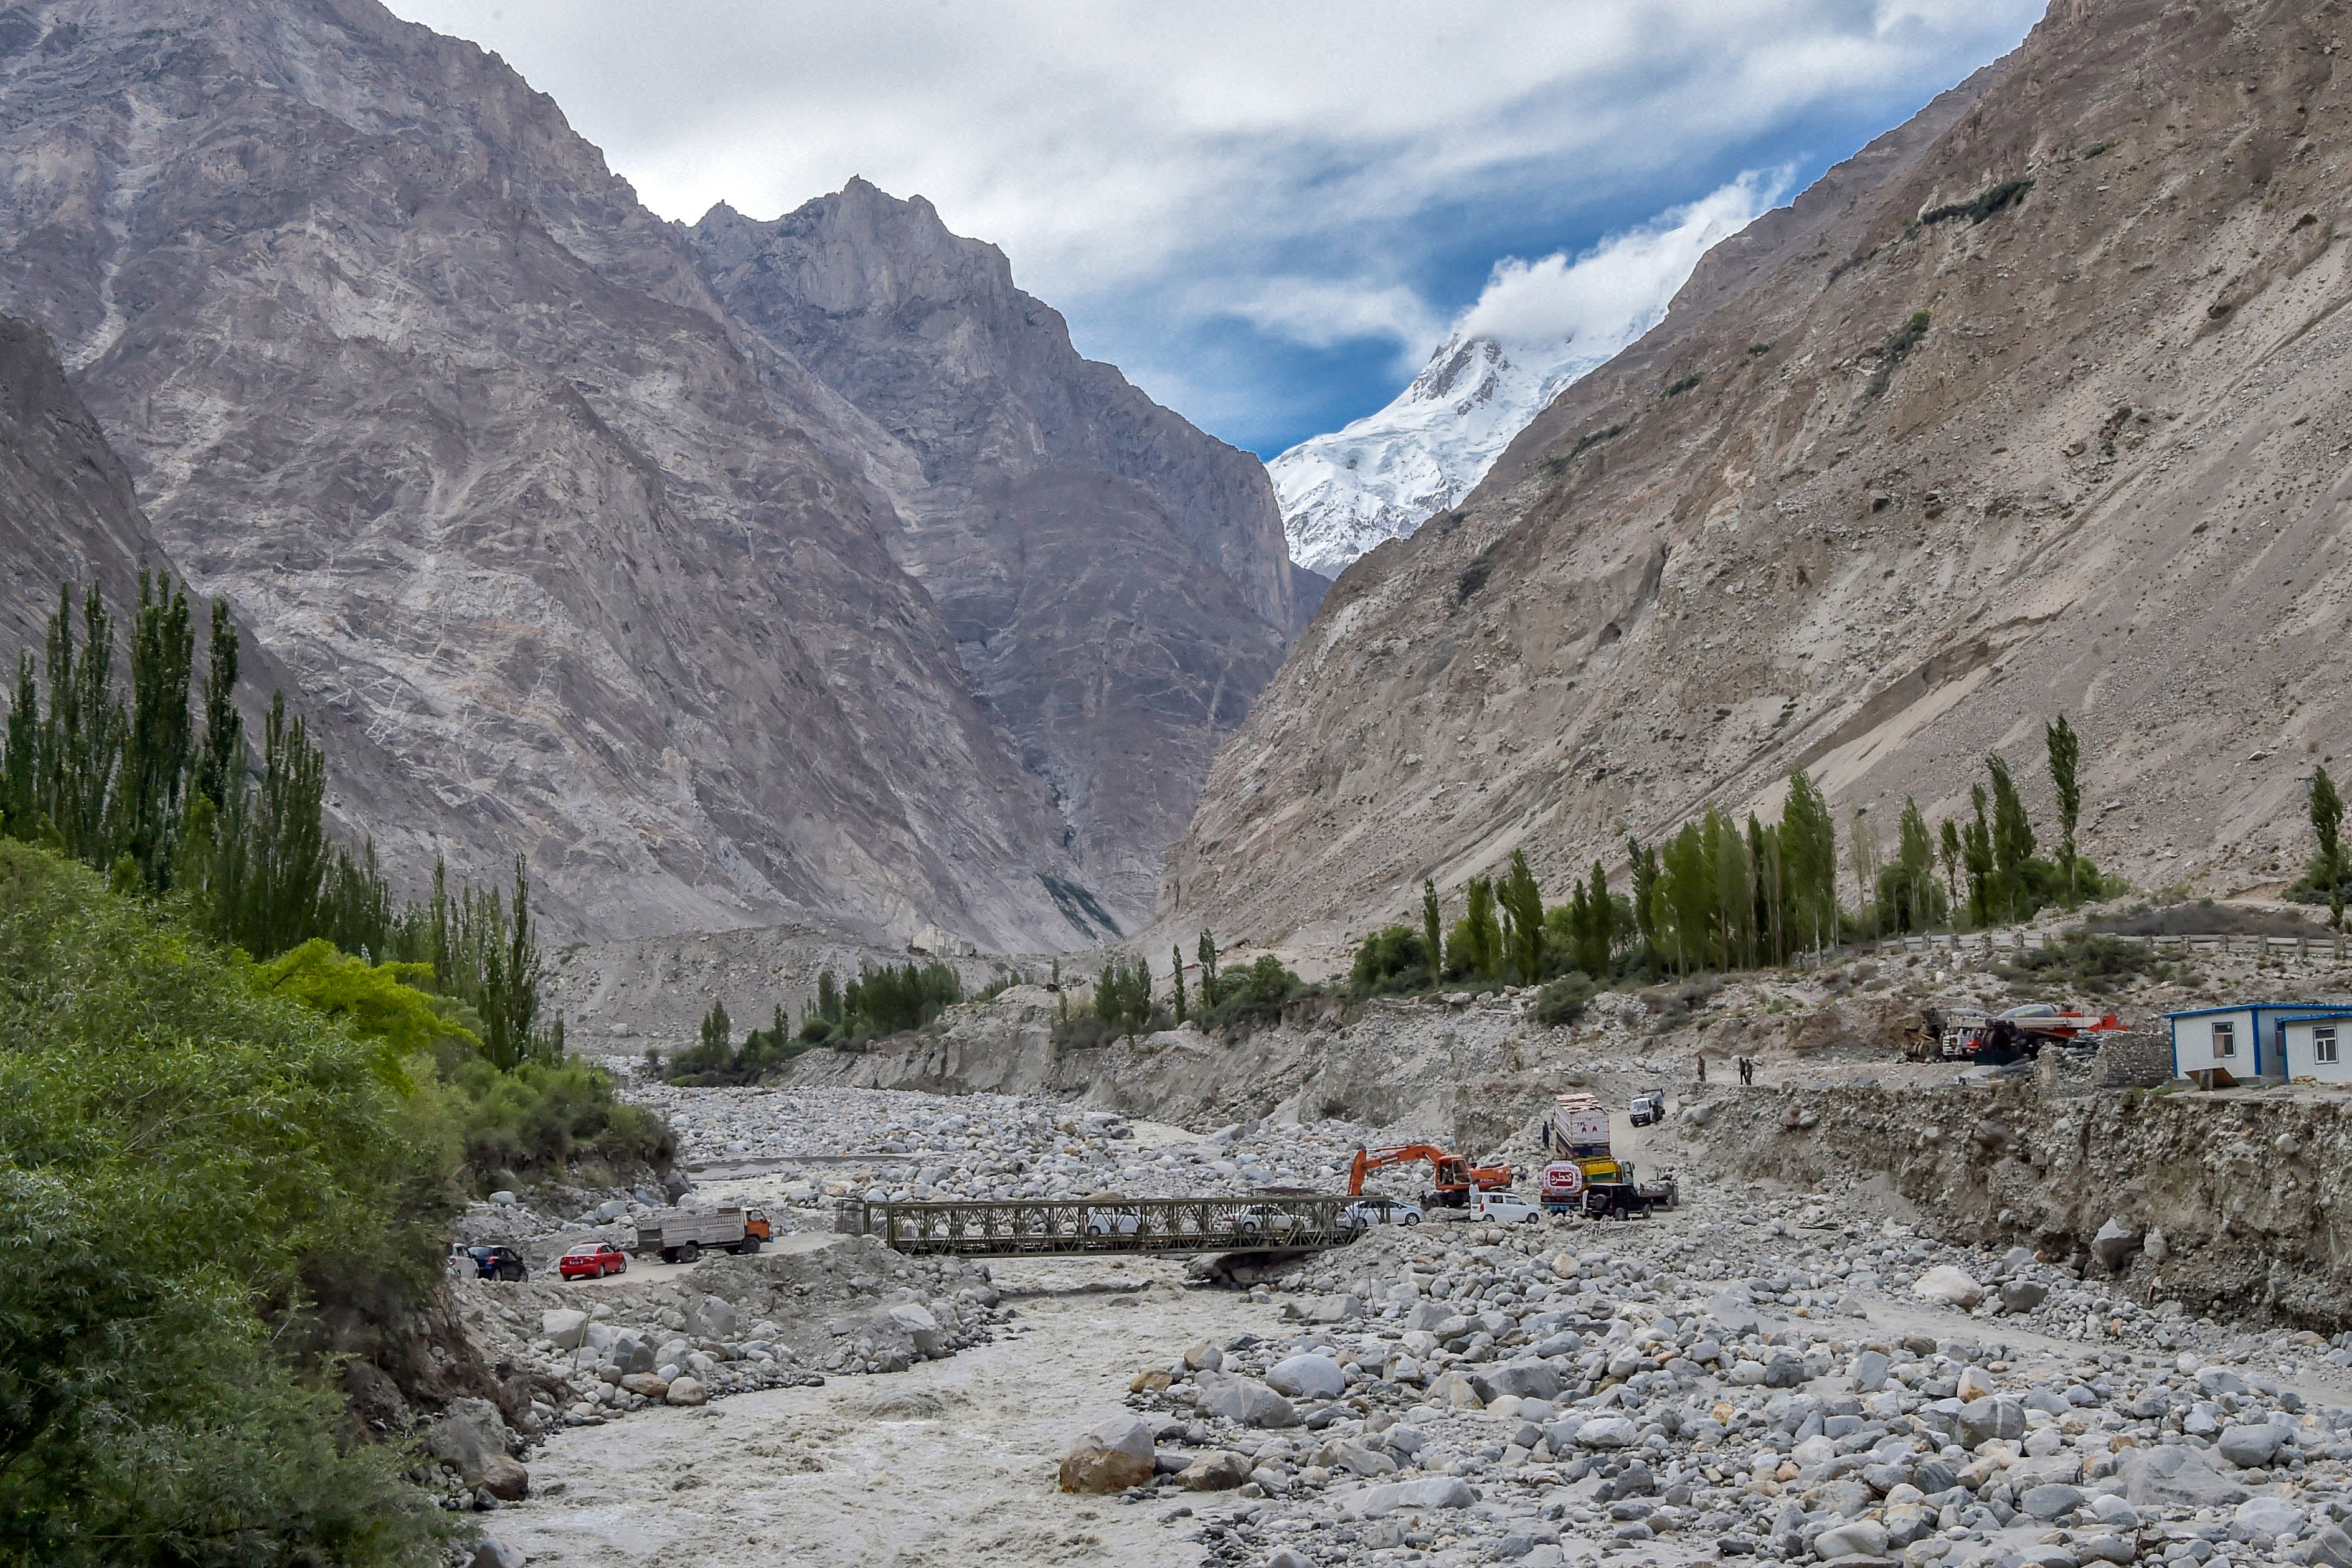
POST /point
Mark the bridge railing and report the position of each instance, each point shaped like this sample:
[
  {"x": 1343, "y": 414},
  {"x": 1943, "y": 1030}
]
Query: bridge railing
[{"x": 1048, "y": 1227}]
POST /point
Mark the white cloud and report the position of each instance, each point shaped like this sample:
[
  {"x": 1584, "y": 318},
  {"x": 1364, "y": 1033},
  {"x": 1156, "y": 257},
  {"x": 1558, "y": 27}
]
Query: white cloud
[
  {"x": 1610, "y": 293},
  {"x": 1318, "y": 313},
  {"x": 1149, "y": 166}
]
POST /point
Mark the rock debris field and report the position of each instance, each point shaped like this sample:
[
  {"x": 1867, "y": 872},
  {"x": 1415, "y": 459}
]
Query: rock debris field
[{"x": 1758, "y": 1376}]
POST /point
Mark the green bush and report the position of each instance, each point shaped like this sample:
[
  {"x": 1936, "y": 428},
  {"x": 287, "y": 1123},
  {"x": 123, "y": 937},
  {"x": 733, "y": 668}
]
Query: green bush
[
  {"x": 1393, "y": 961},
  {"x": 1249, "y": 996},
  {"x": 1564, "y": 1000},
  {"x": 717, "y": 1061},
  {"x": 886, "y": 1000},
  {"x": 538, "y": 1119},
  {"x": 2097, "y": 965},
  {"x": 180, "y": 1148}
]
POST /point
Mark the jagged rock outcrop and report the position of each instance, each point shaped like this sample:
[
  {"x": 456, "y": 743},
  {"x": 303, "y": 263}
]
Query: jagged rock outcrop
[
  {"x": 2033, "y": 405},
  {"x": 1115, "y": 581},
  {"x": 397, "y": 364}
]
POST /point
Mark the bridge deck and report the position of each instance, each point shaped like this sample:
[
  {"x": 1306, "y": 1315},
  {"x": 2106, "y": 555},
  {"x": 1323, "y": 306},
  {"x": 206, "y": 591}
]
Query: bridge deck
[{"x": 1057, "y": 1229}]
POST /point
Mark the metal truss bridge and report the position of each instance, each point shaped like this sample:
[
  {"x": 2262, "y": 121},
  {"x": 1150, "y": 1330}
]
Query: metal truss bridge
[{"x": 1057, "y": 1228}]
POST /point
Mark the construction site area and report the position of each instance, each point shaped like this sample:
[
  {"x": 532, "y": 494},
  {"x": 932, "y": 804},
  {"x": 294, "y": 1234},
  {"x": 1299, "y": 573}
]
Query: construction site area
[{"x": 1924, "y": 1256}]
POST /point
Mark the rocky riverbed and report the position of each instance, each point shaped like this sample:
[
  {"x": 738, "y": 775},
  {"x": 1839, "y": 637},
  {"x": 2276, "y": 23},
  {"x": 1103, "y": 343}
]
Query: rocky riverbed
[{"x": 1765, "y": 1374}]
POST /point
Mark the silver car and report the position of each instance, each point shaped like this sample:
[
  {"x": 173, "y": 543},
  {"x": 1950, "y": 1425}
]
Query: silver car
[{"x": 1368, "y": 1211}]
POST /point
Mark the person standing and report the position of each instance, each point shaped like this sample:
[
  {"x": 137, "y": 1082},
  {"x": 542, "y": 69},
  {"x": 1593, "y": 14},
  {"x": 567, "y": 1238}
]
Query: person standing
[{"x": 1701, "y": 1067}]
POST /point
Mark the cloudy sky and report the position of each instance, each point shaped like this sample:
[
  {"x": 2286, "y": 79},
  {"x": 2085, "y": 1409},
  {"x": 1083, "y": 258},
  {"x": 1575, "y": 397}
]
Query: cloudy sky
[{"x": 1267, "y": 214}]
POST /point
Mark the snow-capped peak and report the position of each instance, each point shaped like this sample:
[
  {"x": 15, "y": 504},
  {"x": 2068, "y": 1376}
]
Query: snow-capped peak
[
  {"x": 1537, "y": 326},
  {"x": 1379, "y": 477}
]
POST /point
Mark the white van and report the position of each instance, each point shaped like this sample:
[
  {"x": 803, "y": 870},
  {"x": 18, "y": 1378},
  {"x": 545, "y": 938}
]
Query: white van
[{"x": 1505, "y": 1208}]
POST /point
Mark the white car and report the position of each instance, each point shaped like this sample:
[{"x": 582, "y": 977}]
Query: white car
[
  {"x": 1368, "y": 1211},
  {"x": 1114, "y": 1222},
  {"x": 1507, "y": 1208}
]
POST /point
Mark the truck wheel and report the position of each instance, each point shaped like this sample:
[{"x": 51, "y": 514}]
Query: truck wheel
[
  {"x": 690, "y": 1252},
  {"x": 751, "y": 1244}
]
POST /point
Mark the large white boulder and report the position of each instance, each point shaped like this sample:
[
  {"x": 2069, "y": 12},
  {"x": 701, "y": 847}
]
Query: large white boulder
[{"x": 1949, "y": 1285}]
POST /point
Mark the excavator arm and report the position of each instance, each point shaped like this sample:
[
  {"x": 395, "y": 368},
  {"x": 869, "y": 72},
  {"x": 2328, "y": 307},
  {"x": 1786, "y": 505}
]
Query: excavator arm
[{"x": 1452, "y": 1173}]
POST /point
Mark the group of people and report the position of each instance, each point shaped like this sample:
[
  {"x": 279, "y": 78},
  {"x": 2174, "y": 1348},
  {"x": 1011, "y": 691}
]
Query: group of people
[{"x": 1747, "y": 1069}]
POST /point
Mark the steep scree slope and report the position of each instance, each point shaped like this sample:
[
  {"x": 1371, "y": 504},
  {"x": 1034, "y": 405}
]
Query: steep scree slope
[
  {"x": 1800, "y": 522},
  {"x": 1116, "y": 581},
  {"x": 400, "y": 366}
]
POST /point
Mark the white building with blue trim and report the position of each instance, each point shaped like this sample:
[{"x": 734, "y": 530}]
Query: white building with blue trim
[{"x": 2280, "y": 1041}]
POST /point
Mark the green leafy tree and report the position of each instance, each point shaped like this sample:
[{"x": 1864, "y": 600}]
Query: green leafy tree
[
  {"x": 190, "y": 1152},
  {"x": 20, "y": 804},
  {"x": 1592, "y": 924},
  {"x": 1176, "y": 982},
  {"x": 2328, "y": 867},
  {"x": 1123, "y": 995},
  {"x": 2012, "y": 840},
  {"x": 2065, "y": 749},
  {"x": 1908, "y": 896},
  {"x": 1211, "y": 992},
  {"x": 1432, "y": 928},
  {"x": 1391, "y": 959},
  {"x": 1476, "y": 947},
  {"x": 1809, "y": 863},
  {"x": 1771, "y": 916},
  {"x": 1949, "y": 844},
  {"x": 1521, "y": 903},
  {"x": 718, "y": 1029},
  {"x": 220, "y": 764},
  {"x": 1978, "y": 855},
  {"x": 1644, "y": 861},
  {"x": 160, "y": 746},
  {"x": 1734, "y": 889}
]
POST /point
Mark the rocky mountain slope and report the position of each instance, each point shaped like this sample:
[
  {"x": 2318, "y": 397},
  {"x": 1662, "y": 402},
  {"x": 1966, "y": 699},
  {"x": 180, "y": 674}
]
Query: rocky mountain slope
[
  {"x": 66, "y": 510},
  {"x": 489, "y": 469},
  {"x": 2033, "y": 405},
  {"x": 1114, "y": 580}
]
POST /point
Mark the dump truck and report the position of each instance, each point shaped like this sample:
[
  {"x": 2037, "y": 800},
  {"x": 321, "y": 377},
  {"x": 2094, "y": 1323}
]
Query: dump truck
[
  {"x": 1585, "y": 1175},
  {"x": 681, "y": 1235}
]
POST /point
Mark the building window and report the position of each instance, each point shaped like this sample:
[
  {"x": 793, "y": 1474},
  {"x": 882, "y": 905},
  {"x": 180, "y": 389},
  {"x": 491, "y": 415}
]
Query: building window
[
  {"x": 2323, "y": 1046},
  {"x": 2225, "y": 1039}
]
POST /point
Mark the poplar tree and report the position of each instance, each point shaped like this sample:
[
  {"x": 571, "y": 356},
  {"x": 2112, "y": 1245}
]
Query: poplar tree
[
  {"x": 20, "y": 809},
  {"x": 1207, "y": 952},
  {"x": 1433, "y": 932},
  {"x": 1522, "y": 903},
  {"x": 1176, "y": 980},
  {"x": 1809, "y": 861},
  {"x": 1645, "y": 884},
  {"x": 1862, "y": 852},
  {"x": 2065, "y": 751},
  {"x": 717, "y": 1032},
  {"x": 2327, "y": 824},
  {"x": 2012, "y": 834},
  {"x": 1478, "y": 944},
  {"x": 220, "y": 766},
  {"x": 158, "y": 752},
  {"x": 1950, "y": 844},
  {"x": 1976, "y": 852},
  {"x": 1596, "y": 932}
]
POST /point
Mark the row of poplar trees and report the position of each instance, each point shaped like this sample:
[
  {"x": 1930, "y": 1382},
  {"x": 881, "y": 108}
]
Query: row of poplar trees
[
  {"x": 1720, "y": 894},
  {"x": 158, "y": 787}
]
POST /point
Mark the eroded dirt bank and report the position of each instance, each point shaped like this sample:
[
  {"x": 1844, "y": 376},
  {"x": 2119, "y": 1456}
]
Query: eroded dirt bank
[{"x": 2230, "y": 1203}]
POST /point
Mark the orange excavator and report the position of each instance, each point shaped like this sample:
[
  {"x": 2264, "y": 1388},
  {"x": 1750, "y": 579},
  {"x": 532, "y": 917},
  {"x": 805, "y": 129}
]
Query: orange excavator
[{"x": 1456, "y": 1176}]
